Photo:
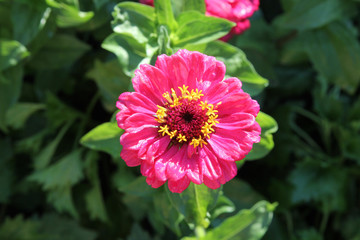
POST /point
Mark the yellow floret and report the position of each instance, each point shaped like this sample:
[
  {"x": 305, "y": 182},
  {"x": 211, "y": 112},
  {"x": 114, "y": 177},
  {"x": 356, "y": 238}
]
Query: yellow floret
[
  {"x": 172, "y": 134},
  {"x": 164, "y": 130},
  {"x": 203, "y": 105},
  {"x": 197, "y": 142},
  {"x": 184, "y": 91},
  {"x": 181, "y": 138}
]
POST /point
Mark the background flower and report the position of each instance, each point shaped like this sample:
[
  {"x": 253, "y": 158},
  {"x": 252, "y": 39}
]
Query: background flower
[
  {"x": 184, "y": 123},
  {"x": 237, "y": 11}
]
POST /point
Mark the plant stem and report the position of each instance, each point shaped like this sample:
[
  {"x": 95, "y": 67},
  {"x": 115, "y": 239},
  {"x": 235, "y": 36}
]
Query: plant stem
[
  {"x": 84, "y": 121},
  {"x": 324, "y": 221},
  {"x": 200, "y": 232}
]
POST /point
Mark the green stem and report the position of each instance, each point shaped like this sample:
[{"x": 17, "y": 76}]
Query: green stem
[
  {"x": 289, "y": 224},
  {"x": 200, "y": 232},
  {"x": 84, "y": 121},
  {"x": 324, "y": 221}
]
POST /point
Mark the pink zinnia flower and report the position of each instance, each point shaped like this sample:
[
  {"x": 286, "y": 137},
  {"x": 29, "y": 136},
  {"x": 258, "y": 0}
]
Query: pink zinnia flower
[
  {"x": 237, "y": 11},
  {"x": 147, "y": 2},
  {"x": 186, "y": 123}
]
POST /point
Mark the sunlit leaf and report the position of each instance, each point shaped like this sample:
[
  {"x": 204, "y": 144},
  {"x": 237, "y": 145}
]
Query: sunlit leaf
[
  {"x": 164, "y": 14},
  {"x": 11, "y": 53},
  {"x": 249, "y": 224},
  {"x": 134, "y": 19},
  {"x": 196, "y": 28},
  {"x": 68, "y": 13},
  {"x": 105, "y": 137},
  {"x": 128, "y": 50}
]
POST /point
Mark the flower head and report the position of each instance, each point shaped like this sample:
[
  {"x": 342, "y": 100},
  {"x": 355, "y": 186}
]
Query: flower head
[
  {"x": 186, "y": 123},
  {"x": 237, "y": 11}
]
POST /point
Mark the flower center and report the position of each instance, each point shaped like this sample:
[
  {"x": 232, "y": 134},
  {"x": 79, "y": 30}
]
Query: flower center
[{"x": 185, "y": 118}]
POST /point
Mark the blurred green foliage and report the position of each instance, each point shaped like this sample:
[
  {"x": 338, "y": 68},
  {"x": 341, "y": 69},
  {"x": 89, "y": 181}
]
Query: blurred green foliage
[{"x": 63, "y": 63}]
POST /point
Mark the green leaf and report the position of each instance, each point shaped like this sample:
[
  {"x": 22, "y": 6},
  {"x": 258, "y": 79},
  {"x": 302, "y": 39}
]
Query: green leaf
[
  {"x": 61, "y": 199},
  {"x": 164, "y": 14},
  {"x": 58, "y": 113},
  {"x": 241, "y": 193},
  {"x": 268, "y": 127},
  {"x": 105, "y": 137},
  {"x": 164, "y": 41},
  {"x": 128, "y": 50},
  {"x": 167, "y": 213},
  {"x": 110, "y": 80},
  {"x": 310, "y": 14},
  {"x": 68, "y": 13},
  {"x": 11, "y": 53},
  {"x": 249, "y": 224},
  {"x": 28, "y": 19},
  {"x": 223, "y": 205},
  {"x": 17, "y": 115},
  {"x": 138, "y": 196},
  {"x": 335, "y": 52},
  {"x": 61, "y": 51},
  {"x": 94, "y": 200},
  {"x": 6, "y": 172},
  {"x": 134, "y": 19},
  {"x": 65, "y": 172},
  {"x": 55, "y": 227},
  {"x": 314, "y": 182},
  {"x": 180, "y": 6},
  {"x": 99, "y": 3},
  {"x": 194, "y": 203},
  {"x": 10, "y": 89},
  {"x": 5, "y": 21},
  {"x": 17, "y": 228},
  {"x": 310, "y": 234},
  {"x": 196, "y": 28},
  {"x": 138, "y": 233},
  {"x": 236, "y": 64}
]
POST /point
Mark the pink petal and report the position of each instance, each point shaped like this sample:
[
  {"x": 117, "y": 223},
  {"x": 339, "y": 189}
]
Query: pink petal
[
  {"x": 161, "y": 165},
  {"x": 175, "y": 70},
  {"x": 225, "y": 148},
  {"x": 209, "y": 164},
  {"x": 179, "y": 69},
  {"x": 157, "y": 148},
  {"x": 151, "y": 82},
  {"x": 245, "y": 8},
  {"x": 178, "y": 186},
  {"x": 136, "y": 103},
  {"x": 138, "y": 121},
  {"x": 212, "y": 183},
  {"x": 130, "y": 157},
  {"x": 240, "y": 27},
  {"x": 236, "y": 121},
  {"x": 134, "y": 140},
  {"x": 234, "y": 144},
  {"x": 229, "y": 171}
]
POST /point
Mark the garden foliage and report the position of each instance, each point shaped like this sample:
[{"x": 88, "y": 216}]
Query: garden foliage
[{"x": 63, "y": 64}]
